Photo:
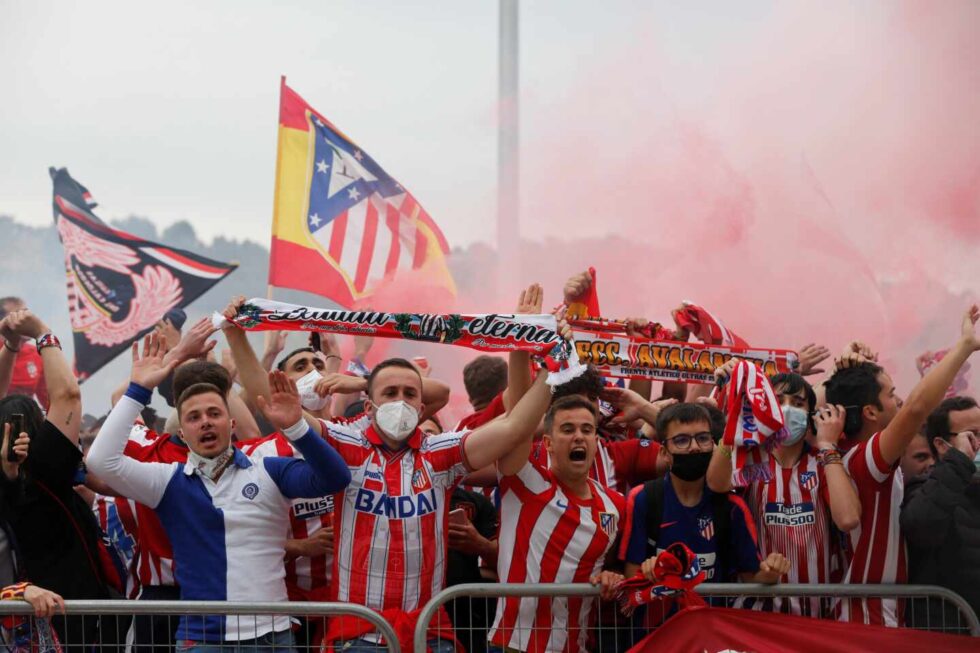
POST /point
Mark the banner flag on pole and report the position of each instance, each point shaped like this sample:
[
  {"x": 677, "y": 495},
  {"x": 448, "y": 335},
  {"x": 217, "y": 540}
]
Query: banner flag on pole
[
  {"x": 119, "y": 285},
  {"x": 341, "y": 225}
]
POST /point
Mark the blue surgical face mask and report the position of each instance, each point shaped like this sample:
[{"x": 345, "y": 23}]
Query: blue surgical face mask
[{"x": 795, "y": 420}]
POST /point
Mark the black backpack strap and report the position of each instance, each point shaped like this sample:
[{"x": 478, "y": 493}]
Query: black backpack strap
[
  {"x": 655, "y": 509},
  {"x": 722, "y": 508}
]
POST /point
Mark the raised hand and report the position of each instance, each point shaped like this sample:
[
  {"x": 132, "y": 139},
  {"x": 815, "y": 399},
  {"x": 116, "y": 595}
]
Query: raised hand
[
  {"x": 339, "y": 383},
  {"x": 969, "y": 328},
  {"x": 21, "y": 446},
  {"x": 680, "y": 333},
  {"x": 195, "y": 343},
  {"x": 829, "y": 422},
  {"x": 24, "y": 323},
  {"x": 282, "y": 408},
  {"x": 150, "y": 369},
  {"x": 724, "y": 373},
  {"x": 577, "y": 285},
  {"x": 855, "y": 353},
  {"x": 231, "y": 310},
  {"x": 812, "y": 355},
  {"x": 530, "y": 301}
]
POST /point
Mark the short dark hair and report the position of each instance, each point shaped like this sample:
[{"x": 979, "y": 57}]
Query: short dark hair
[
  {"x": 385, "y": 364},
  {"x": 201, "y": 371},
  {"x": 855, "y": 386},
  {"x": 281, "y": 365},
  {"x": 937, "y": 424},
  {"x": 199, "y": 389},
  {"x": 684, "y": 413},
  {"x": 717, "y": 421},
  {"x": 571, "y": 402},
  {"x": 435, "y": 420},
  {"x": 792, "y": 383},
  {"x": 589, "y": 384},
  {"x": 484, "y": 378}
]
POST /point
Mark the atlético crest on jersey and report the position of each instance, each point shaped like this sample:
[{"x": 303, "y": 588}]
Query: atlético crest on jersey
[
  {"x": 808, "y": 480},
  {"x": 420, "y": 480},
  {"x": 706, "y": 526},
  {"x": 607, "y": 522}
]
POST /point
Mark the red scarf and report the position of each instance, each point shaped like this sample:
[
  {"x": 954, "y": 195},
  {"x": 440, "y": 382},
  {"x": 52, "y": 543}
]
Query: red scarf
[
  {"x": 754, "y": 420},
  {"x": 706, "y": 327},
  {"x": 676, "y": 571},
  {"x": 346, "y": 627}
]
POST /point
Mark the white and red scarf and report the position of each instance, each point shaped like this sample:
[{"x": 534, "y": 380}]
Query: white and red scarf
[
  {"x": 754, "y": 421},
  {"x": 493, "y": 332}
]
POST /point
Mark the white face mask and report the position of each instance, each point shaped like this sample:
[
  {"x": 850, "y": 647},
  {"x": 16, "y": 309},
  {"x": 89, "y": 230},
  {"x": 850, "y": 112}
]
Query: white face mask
[
  {"x": 795, "y": 420},
  {"x": 308, "y": 397},
  {"x": 397, "y": 419}
]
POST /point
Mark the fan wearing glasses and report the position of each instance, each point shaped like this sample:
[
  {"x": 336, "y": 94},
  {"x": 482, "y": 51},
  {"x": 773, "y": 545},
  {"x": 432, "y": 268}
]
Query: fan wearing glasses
[
  {"x": 941, "y": 514},
  {"x": 681, "y": 508}
]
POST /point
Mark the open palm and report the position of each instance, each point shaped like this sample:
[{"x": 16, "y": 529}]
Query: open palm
[
  {"x": 149, "y": 369},
  {"x": 282, "y": 409}
]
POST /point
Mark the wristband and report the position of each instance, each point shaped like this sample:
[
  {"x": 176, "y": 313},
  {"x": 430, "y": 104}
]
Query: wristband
[
  {"x": 297, "y": 430},
  {"x": 829, "y": 457},
  {"x": 329, "y": 356},
  {"x": 138, "y": 393},
  {"x": 48, "y": 340},
  {"x": 14, "y": 592}
]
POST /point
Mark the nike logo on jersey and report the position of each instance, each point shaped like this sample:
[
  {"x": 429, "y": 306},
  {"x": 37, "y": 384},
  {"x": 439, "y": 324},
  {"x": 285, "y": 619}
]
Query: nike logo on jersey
[
  {"x": 398, "y": 507},
  {"x": 667, "y": 524},
  {"x": 561, "y": 504}
]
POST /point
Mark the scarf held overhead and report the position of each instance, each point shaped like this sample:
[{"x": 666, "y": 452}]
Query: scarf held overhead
[
  {"x": 755, "y": 421},
  {"x": 492, "y": 332},
  {"x": 604, "y": 343}
]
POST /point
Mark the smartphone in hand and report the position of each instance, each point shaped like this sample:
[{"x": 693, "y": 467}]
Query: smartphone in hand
[
  {"x": 458, "y": 516},
  {"x": 16, "y": 428}
]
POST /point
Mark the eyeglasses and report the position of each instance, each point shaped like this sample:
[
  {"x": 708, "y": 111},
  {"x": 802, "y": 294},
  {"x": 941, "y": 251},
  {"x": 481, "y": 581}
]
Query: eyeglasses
[{"x": 683, "y": 441}]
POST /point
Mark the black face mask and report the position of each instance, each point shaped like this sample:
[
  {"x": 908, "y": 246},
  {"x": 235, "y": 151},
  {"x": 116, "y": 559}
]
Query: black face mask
[{"x": 690, "y": 466}]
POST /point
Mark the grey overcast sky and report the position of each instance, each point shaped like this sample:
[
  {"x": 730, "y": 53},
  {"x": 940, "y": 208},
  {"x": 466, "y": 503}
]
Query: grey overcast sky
[{"x": 168, "y": 110}]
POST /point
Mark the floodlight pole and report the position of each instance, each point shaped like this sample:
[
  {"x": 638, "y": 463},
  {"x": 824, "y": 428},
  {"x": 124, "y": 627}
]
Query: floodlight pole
[{"x": 508, "y": 164}]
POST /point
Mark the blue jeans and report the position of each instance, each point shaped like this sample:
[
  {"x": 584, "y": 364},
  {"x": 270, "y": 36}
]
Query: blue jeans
[
  {"x": 281, "y": 642},
  {"x": 364, "y": 646}
]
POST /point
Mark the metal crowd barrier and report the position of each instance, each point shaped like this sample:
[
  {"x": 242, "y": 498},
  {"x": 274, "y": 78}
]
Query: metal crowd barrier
[
  {"x": 116, "y": 617},
  {"x": 614, "y": 633}
]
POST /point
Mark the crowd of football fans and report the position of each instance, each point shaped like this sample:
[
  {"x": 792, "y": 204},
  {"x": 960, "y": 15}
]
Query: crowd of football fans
[{"x": 304, "y": 476}]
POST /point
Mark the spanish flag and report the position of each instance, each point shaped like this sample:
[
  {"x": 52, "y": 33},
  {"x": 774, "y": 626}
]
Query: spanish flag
[{"x": 341, "y": 225}]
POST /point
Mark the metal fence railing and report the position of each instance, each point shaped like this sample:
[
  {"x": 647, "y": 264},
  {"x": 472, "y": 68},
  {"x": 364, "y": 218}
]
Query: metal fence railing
[
  {"x": 923, "y": 607},
  {"x": 112, "y": 625}
]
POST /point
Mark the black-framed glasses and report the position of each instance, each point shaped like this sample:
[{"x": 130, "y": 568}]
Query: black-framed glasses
[{"x": 683, "y": 441}]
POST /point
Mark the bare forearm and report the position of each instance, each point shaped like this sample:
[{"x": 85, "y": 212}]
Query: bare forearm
[
  {"x": 518, "y": 378},
  {"x": 7, "y": 360},
  {"x": 65, "y": 410},
  {"x": 923, "y": 399},
  {"x": 845, "y": 508},
  {"x": 435, "y": 396},
  {"x": 254, "y": 378},
  {"x": 719, "y": 476}
]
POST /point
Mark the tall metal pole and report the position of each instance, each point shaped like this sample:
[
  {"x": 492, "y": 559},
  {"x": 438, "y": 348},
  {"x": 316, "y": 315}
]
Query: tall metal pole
[{"x": 508, "y": 168}]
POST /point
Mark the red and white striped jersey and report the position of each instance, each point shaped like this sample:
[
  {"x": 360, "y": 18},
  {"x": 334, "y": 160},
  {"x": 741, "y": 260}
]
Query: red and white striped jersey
[
  {"x": 391, "y": 523},
  {"x": 618, "y": 465},
  {"x": 792, "y": 517},
  {"x": 876, "y": 552},
  {"x": 549, "y": 535},
  {"x": 153, "y": 563},
  {"x": 307, "y": 578}
]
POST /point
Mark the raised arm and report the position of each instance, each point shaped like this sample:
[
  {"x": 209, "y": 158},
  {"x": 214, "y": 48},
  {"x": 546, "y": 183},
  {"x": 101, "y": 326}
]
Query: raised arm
[
  {"x": 519, "y": 362},
  {"x": 507, "y": 441},
  {"x": 929, "y": 392},
  {"x": 8, "y": 356},
  {"x": 144, "y": 482},
  {"x": 845, "y": 506},
  {"x": 65, "y": 410},
  {"x": 252, "y": 375},
  {"x": 322, "y": 470}
]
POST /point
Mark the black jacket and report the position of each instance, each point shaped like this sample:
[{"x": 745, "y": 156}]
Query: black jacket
[{"x": 941, "y": 524}]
